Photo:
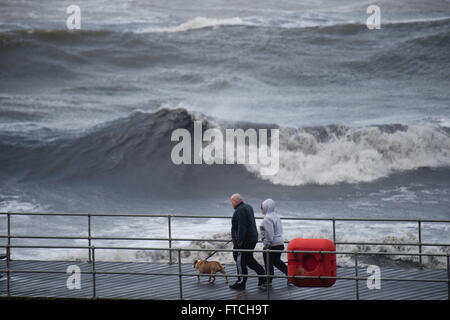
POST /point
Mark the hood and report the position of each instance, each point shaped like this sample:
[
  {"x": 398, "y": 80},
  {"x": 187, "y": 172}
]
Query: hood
[{"x": 268, "y": 206}]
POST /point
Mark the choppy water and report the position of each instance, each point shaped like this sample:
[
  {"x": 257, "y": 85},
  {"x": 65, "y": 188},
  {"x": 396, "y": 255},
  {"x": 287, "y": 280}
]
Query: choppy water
[{"x": 86, "y": 115}]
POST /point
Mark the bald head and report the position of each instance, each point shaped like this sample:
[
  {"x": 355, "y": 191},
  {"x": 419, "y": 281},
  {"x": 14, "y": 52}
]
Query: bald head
[{"x": 236, "y": 199}]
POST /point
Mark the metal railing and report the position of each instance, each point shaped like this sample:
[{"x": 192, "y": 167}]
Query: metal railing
[{"x": 170, "y": 239}]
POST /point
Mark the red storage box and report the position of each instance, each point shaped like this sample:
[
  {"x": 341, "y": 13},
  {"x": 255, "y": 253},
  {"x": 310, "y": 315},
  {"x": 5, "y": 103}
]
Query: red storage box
[{"x": 312, "y": 264}]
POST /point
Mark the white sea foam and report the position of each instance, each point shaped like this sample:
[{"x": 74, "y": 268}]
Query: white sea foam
[
  {"x": 288, "y": 21},
  {"x": 14, "y": 204},
  {"x": 361, "y": 155},
  {"x": 198, "y": 23},
  {"x": 444, "y": 122}
]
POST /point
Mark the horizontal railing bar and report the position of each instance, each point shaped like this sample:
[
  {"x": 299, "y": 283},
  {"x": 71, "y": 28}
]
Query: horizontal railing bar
[
  {"x": 220, "y": 217},
  {"x": 212, "y": 240},
  {"x": 228, "y": 250},
  {"x": 85, "y": 238},
  {"x": 412, "y": 244},
  {"x": 85, "y": 214},
  {"x": 221, "y": 275}
]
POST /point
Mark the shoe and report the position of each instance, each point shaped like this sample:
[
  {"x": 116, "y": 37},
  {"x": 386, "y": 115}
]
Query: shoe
[{"x": 238, "y": 286}]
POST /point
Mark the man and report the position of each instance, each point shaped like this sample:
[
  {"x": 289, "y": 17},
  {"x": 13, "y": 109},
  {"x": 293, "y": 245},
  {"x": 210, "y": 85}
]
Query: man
[{"x": 245, "y": 236}]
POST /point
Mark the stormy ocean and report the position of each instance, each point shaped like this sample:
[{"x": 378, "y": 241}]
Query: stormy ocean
[{"x": 86, "y": 116}]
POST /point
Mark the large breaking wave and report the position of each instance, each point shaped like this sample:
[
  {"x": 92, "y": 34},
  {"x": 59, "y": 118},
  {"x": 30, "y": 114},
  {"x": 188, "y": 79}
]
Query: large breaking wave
[
  {"x": 354, "y": 155},
  {"x": 136, "y": 150}
]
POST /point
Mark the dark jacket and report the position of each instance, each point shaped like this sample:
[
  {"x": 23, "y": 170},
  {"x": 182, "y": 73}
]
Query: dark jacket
[{"x": 243, "y": 225}]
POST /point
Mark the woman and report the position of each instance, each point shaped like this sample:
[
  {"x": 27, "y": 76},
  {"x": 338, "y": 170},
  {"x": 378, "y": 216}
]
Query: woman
[{"x": 272, "y": 237}]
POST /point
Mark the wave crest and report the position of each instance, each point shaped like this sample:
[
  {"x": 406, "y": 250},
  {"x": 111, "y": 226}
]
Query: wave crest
[
  {"x": 355, "y": 155},
  {"x": 199, "y": 23},
  {"x": 137, "y": 149}
]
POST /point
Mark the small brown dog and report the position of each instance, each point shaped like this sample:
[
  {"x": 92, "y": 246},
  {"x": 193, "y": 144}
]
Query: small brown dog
[{"x": 209, "y": 267}]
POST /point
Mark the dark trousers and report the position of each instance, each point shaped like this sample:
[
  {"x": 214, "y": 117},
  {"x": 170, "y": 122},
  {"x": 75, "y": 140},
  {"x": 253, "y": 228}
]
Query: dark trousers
[
  {"x": 246, "y": 259},
  {"x": 275, "y": 259}
]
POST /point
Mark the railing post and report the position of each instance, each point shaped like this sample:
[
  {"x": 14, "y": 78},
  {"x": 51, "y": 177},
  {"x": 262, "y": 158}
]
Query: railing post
[
  {"x": 8, "y": 251},
  {"x": 267, "y": 274},
  {"x": 179, "y": 274},
  {"x": 94, "y": 282},
  {"x": 89, "y": 236},
  {"x": 8, "y": 273},
  {"x": 419, "y": 229},
  {"x": 448, "y": 276},
  {"x": 334, "y": 230},
  {"x": 169, "y": 221},
  {"x": 8, "y": 256},
  {"x": 356, "y": 276}
]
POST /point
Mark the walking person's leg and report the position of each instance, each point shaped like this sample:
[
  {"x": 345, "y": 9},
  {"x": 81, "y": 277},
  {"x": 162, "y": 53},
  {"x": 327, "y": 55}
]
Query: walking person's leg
[
  {"x": 276, "y": 259},
  {"x": 237, "y": 259},
  {"x": 268, "y": 267},
  {"x": 241, "y": 267},
  {"x": 253, "y": 264},
  {"x": 244, "y": 269},
  {"x": 279, "y": 263}
]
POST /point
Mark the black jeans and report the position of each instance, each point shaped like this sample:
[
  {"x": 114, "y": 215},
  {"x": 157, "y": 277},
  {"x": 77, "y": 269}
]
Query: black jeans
[
  {"x": 275, "y": 259},
  {"x": 246, "y": 259}
]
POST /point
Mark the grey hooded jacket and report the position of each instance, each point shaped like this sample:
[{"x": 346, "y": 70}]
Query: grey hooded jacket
[{"x": 271, "y": 228}]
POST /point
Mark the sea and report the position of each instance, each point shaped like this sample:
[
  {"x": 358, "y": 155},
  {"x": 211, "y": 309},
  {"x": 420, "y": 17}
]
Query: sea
[{"x": 87, "y": 116}]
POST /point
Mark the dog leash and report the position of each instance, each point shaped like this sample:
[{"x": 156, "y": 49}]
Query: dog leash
[{"x": 219, "y": 249}]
